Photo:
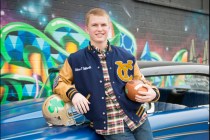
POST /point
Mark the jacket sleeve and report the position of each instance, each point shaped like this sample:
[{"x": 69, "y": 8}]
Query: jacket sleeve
[
  {"x": 63, "y": 84},
  {"x": 139, "y": 76}
]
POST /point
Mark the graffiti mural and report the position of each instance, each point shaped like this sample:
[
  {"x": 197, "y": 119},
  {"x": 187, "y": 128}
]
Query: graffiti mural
[{"x": 27, "y": 53}]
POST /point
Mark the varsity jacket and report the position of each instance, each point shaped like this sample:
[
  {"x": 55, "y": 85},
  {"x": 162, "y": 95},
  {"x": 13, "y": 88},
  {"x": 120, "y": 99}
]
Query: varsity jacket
[{"x": 84, "y": 71}]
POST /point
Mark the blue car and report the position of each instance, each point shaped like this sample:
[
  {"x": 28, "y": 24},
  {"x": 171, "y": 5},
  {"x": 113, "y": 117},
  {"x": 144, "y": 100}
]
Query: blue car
[{"x": 182, "y": 112}]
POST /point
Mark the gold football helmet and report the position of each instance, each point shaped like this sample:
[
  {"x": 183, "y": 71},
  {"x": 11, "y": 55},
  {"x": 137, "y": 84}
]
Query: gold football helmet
[{"x": 57, "y": 112}]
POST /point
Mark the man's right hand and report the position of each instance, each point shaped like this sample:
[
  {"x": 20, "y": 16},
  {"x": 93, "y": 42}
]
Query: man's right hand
[{"x": 80, "y": 103}]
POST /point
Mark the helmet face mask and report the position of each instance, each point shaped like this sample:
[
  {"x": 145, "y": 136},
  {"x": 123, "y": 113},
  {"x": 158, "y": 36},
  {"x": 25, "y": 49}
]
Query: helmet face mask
[{"x": 57, "y": 112}]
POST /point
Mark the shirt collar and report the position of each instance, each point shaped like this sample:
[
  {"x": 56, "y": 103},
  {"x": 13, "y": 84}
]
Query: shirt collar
[{"x": 107, "y": 49}]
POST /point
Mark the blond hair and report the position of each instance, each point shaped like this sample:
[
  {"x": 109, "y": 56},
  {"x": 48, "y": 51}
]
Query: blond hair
[{"x": 95, "y": 12}]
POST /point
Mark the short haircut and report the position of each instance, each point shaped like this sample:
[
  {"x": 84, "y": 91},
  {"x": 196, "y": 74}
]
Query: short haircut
[{"x": 96, "y": 12}]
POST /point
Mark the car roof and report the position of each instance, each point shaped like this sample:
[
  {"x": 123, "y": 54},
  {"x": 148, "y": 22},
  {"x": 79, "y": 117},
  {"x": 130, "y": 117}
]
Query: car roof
[
  {"x": 150, "y": 68},
  {"x": 145, "y": 64}
]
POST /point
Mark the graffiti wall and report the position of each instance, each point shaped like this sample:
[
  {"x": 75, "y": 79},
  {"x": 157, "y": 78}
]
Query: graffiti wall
[{"x": 38, "y": 35}]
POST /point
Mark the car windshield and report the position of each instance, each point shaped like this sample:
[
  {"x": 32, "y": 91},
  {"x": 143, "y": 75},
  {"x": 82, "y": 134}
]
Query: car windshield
[
  {"x": 188, "y": 90},
  {"x": 190, "y": 82}
]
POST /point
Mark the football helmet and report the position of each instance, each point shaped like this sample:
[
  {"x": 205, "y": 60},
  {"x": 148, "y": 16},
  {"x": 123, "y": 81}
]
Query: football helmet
[{"x": 58, "y": 112}]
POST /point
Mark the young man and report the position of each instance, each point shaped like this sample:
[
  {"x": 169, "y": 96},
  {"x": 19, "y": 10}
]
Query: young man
[{"x": 99, "y": 73}]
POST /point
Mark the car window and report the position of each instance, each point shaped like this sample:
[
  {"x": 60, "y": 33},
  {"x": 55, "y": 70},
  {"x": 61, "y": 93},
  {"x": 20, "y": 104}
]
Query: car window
[
  {"x": 180, "y": 91},
  {"x": 191, "y": 82}
]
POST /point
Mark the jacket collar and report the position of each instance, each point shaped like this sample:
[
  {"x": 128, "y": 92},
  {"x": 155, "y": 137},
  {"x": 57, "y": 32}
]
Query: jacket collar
[{"x": 108, "y": 48}]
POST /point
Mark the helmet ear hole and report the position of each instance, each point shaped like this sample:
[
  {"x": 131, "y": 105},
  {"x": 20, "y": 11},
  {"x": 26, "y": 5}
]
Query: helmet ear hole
[
  {"x": 70, "y": 114},
  {"x": 57, "y": 112}
]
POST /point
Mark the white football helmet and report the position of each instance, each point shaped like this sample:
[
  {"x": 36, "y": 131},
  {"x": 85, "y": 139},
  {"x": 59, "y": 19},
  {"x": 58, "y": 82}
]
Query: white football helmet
[{"x": 57, "y": 112}]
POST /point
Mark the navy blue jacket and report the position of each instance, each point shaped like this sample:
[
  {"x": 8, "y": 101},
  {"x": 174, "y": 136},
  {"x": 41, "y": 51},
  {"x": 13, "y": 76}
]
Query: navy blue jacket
[{"x": 88, "y": 79}]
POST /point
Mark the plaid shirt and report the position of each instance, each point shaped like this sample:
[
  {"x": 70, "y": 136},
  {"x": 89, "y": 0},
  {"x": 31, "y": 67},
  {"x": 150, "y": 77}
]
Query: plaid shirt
[{"x": 115, "y": 115}]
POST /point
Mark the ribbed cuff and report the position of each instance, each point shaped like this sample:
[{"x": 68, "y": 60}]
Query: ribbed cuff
[
  {"x": 71, "y": 92},
  {"x": 140, "y": 111},
  {"x": 157, "y": 95}
]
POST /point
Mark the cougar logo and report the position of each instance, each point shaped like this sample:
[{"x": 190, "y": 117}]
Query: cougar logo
[{"x": 122, "y": 70}]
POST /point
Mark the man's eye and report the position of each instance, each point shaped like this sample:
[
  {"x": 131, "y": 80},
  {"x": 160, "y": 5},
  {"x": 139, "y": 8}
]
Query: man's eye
[{"x": 103, "y": 25}]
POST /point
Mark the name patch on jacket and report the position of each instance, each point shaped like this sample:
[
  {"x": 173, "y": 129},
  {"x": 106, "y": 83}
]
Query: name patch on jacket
[
  {"x": 82, "y": 68},
  {"x": 122, "y": 70}
]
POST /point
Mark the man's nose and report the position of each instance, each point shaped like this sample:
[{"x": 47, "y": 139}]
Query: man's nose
[{"x": 99, "y": 27}]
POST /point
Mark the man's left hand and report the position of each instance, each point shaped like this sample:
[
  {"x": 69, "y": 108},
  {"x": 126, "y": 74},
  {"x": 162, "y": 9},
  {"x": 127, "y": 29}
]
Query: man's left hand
[{"x": 145, "y": 96}]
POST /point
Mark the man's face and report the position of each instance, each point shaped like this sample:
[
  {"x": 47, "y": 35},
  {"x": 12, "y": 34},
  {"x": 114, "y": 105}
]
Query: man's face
[{"x": 98, "y": 28}]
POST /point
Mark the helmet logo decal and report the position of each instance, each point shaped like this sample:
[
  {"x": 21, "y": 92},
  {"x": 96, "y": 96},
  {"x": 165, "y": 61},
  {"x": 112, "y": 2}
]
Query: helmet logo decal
[
  {"x": 55, "y": 104},
  {"x": 57, "y": 112},
  {"x": 122, "y": 70}
]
